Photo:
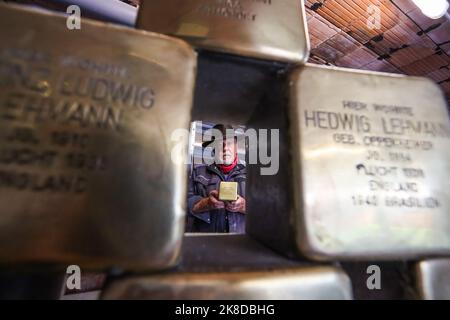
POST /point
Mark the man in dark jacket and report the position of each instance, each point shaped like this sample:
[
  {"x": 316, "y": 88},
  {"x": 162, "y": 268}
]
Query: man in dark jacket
[{"x": 206, "y": 213}]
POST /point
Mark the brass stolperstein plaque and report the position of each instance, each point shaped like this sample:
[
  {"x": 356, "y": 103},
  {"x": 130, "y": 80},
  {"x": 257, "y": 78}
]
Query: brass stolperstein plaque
[
  {"x": 312, "y": 283},
  {"x": 433, "y": 279},
  {"x": 243, "y": 270},
  {"x": 228, "y": 191},
  {"x": 370, "y": 167},
  {"x": 86, "y": 117},
  {"x": 265, "y": 29}
]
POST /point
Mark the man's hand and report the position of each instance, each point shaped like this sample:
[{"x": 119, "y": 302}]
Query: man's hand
[
  {"x": 236, "y": 206},
  {"x": 210, "y": 203},
  {"x": 214, "y": 200}
]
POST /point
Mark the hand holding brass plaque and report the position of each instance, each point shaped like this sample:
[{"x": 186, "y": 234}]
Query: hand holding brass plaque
[{"x": 228, "y": 191}]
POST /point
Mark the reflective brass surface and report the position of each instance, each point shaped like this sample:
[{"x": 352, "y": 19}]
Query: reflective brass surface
[
  {"x": 266, "y": 29},
  {"x": 86, "y": 118},
  {"x": 320, "y": 283},
  {"x": 369, "y": 171},
  {"x": 360, "y": 195},
  {"x": 228, "y": 191},
  {"x": 243, "y": 270},
  {"x": 395, "y": 282},
  {"x": 433, "y": 279}
]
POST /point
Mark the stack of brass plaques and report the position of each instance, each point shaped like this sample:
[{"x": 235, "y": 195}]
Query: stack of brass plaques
[
  {"x": 86, "y": 117},
  {"x": 433, "y": 279},
  {"x": 234, "y": 267},
  {"x": 364, "y": 168},
  {"x": 264, "y": 29},
  {"x": 229, "y": 89}
]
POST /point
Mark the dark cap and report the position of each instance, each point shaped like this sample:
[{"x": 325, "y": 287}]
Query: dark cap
[{"x": 223, "y": 130}]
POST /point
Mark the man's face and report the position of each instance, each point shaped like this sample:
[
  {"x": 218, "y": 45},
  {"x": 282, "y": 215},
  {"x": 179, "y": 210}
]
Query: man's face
[{"x": 228, "y": 151}]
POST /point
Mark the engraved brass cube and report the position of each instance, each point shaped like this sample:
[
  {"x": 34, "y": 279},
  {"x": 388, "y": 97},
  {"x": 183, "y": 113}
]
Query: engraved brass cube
[
  {"x": 366, "y": 168},
  {"x": 265, "y": 29},
  {"x": 86, "y": 116},
  {"x": 228, "y": 191},
  {"x": 433, "y": 279}
]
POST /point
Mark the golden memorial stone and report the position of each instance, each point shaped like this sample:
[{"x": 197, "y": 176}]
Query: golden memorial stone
[
  {"x": 433, "y": 279},
  {"x": 265, "y": 29},
  {"x": 86, "y": 118}
]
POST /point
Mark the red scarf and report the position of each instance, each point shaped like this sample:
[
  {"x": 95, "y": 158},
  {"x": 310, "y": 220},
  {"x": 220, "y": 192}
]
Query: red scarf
[{"x": 226, "y": 169}]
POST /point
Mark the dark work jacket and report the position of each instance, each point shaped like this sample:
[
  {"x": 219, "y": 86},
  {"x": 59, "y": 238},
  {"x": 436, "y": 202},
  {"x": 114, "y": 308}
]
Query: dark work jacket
[{"x": 205, "y": 179}]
